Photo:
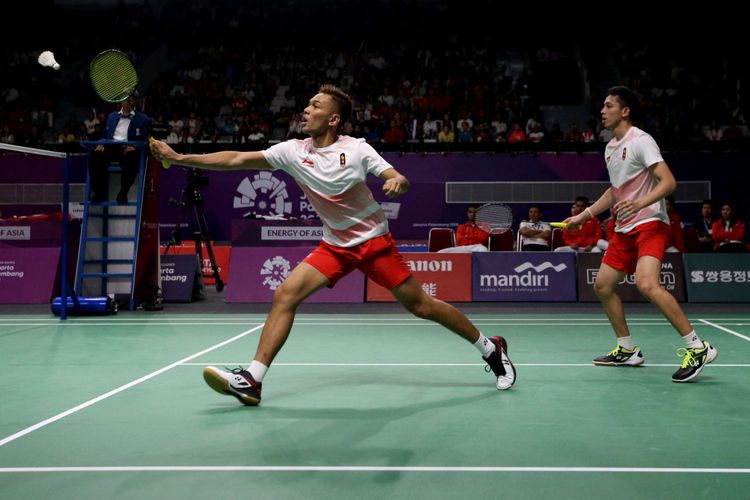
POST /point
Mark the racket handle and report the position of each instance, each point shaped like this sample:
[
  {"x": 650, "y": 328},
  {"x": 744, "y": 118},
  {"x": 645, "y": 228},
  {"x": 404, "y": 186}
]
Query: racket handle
[{"x": 164, "y": 163}]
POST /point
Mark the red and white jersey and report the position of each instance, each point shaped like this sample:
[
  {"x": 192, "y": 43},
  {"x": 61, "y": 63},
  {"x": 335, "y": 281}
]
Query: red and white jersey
[
  {"x": 333, "y": 178},
  {"x": 628, "y": 162}
]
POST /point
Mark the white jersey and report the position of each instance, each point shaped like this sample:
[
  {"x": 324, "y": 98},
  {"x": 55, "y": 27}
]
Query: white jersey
[
  {"x": 628, "y": 162},
  {"x": 333, "y": 178},
  {"x": 536, "y": 226}
]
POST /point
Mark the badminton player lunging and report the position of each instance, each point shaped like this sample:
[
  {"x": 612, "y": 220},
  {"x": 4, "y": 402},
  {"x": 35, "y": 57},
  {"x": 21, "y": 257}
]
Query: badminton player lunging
[
  {"x": 331, "y": 170},
  {"x": 640, "y": 180}
]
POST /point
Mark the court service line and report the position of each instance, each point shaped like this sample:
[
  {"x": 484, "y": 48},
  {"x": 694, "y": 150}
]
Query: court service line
[
  {"x": 106, "y": 395},
  {"x": 374, "y": 468},
  {"x": 725, "y": 329}
]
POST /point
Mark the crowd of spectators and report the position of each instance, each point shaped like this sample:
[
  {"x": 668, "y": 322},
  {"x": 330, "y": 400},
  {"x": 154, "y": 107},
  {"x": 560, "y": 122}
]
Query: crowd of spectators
[{"x": 457, "y": 87}]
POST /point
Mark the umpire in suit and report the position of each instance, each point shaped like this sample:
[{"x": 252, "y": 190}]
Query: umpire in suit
[{"x": 127, "y": 124}]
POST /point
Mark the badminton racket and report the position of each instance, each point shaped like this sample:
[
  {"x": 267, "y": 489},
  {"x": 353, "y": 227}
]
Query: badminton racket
[
  {"x": 563, "y": 225},
  {"x": 494, "y": 218},
  {"x": 113, "y": 76}
]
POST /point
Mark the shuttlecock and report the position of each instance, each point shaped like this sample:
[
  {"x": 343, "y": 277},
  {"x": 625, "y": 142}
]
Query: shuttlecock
[{"x": 47, "y": 59}]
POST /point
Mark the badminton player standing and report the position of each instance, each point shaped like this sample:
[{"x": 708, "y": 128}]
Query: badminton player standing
[
  {"x": 640, "y": 180},
  {"x": 331, "y": 170}
]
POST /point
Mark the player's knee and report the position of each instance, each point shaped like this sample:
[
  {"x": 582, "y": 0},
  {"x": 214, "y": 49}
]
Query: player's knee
[
  {"x": 647, "y": 287},
  {"x": 285, "y": 296},
  {"x": 603, "y": 289}
]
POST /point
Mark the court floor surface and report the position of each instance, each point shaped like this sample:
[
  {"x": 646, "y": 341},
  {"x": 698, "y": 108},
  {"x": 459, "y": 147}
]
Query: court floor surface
[{"x": 368, "y": 406}]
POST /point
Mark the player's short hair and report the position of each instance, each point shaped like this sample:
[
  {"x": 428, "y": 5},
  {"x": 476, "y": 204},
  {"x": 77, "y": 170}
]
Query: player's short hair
[
  {"x": 628, "y": 99},
  {"x": 341, "y": 100}
]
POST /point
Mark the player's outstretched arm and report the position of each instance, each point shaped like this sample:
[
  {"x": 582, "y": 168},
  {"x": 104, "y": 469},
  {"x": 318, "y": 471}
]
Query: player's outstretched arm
[
  {"x": 395, "y": 183},
  {"x": 221, "y": 160}
]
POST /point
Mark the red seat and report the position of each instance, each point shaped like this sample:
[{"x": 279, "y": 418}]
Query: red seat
[
  {"x": 439, "y": 238},
  {"x": 692, "y": 245},
  {"x": 502, "y": 242},
  {"x": 557, "y": 238}
]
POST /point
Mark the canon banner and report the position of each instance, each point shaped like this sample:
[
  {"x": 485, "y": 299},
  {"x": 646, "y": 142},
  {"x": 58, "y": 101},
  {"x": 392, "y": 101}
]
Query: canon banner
[
  {"x": 672, "y": 278},
  {"x": 444, "y": 276},
  {"x": 256, "y": 273},
  {"x": 524, "y": 277},
  {"x": 715, "y": 277}
]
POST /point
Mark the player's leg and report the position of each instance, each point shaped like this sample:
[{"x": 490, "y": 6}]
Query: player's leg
[
  {"x": 697, "y": 353},
  {"x": 494, "y": 350},
  {"x": 303, "y": 281},
  {"x": 245, "y": 384},
  {"x": 625, "y": 353},
  {"x": 411, "y": 295},
  {"x": 647, "y": 275}
]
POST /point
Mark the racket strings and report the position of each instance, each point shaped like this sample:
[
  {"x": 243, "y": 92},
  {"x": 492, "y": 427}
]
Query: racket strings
[
  {"x": 113, "y": 76},
  {"x": 489, "y": 217}
]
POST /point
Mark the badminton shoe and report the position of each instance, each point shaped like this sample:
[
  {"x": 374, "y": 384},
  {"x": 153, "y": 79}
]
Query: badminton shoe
[
  {"x": 237, "y": 382},
  {"x": 619, "y": 356},
  {"x": 693, "y": 361},
  {"x": 500, "y": 364}
]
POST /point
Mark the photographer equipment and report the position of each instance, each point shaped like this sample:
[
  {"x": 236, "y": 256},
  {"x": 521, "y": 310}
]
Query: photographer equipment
[{"x": 192, "y": 200}]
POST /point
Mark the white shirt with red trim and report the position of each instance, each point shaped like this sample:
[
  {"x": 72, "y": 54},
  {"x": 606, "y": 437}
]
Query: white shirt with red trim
[
  {"x": 333, "y": 178},
  {"x": 628, "y": 161}
]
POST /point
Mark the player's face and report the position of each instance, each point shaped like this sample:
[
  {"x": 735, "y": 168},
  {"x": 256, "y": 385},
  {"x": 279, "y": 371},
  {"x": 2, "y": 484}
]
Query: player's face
[
  {"x": 612, "y": 112},
  {"x": 319, "y": 114},
  {"x": 471, "y": 212}
]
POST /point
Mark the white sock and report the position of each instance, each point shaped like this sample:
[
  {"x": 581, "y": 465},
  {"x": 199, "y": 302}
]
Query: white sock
[
  {"x": 484, "y": 345},
  {"x": 626, "y": 342},
  {"x": 692, "y": 341},
  {"x": 257, "y": 370}
]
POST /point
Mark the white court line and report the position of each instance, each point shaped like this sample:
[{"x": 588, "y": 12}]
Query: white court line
[
  {"x": 417, "y": 365},
  {"x": 372, "y": 468},
  {"x": 305, "y": 323},
  {"x": 104, "y": 396},
  {"x": 725, "y": 329}
]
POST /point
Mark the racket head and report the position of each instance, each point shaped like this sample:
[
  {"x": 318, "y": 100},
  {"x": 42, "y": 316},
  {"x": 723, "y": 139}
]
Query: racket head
[
  {"x": 494, "y": 217},
  {"x": 113, "y": 76}
]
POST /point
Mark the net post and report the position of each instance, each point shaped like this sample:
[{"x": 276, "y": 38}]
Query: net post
[{"x": 64, "y": 249}]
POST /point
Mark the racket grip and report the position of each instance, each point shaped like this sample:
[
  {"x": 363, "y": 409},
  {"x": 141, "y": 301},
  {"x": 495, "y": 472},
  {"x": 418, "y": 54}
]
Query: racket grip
[{"x": 164, "y": 163}]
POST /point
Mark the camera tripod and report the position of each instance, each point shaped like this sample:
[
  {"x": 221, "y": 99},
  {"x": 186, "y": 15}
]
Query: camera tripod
[{"x": 192, "y": 200}]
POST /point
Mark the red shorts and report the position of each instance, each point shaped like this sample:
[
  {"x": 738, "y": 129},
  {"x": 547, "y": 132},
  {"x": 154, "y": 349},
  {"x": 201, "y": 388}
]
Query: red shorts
[
  {"x": 625, "y": 249},
  {"x": 377, "y": 258}
]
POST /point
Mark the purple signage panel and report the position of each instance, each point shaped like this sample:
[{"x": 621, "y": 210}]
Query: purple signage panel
[
  {"x": 256, "y": 272},
  {"x": 524, "y": 277},
  {"x": 27, "y": 274},
  {"x": 178, "y": 276}
]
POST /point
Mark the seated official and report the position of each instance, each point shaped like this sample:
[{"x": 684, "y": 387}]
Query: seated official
[
  {"x": 535, "y": 234},
  {"x": 128, "y": 124}
]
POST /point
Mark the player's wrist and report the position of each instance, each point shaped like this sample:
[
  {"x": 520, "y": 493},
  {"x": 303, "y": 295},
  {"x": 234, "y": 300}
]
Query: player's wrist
[{"x": 591, "y": 214}]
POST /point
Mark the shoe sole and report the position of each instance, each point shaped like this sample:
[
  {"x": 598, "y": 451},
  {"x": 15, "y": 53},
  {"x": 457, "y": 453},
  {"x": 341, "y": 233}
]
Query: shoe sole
[
  {"x": 221, "y": 385},
  {"x": 691, "y": 377},
  {"x": 504, "y": 347},
  {"x": 634, "y": 365}
]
